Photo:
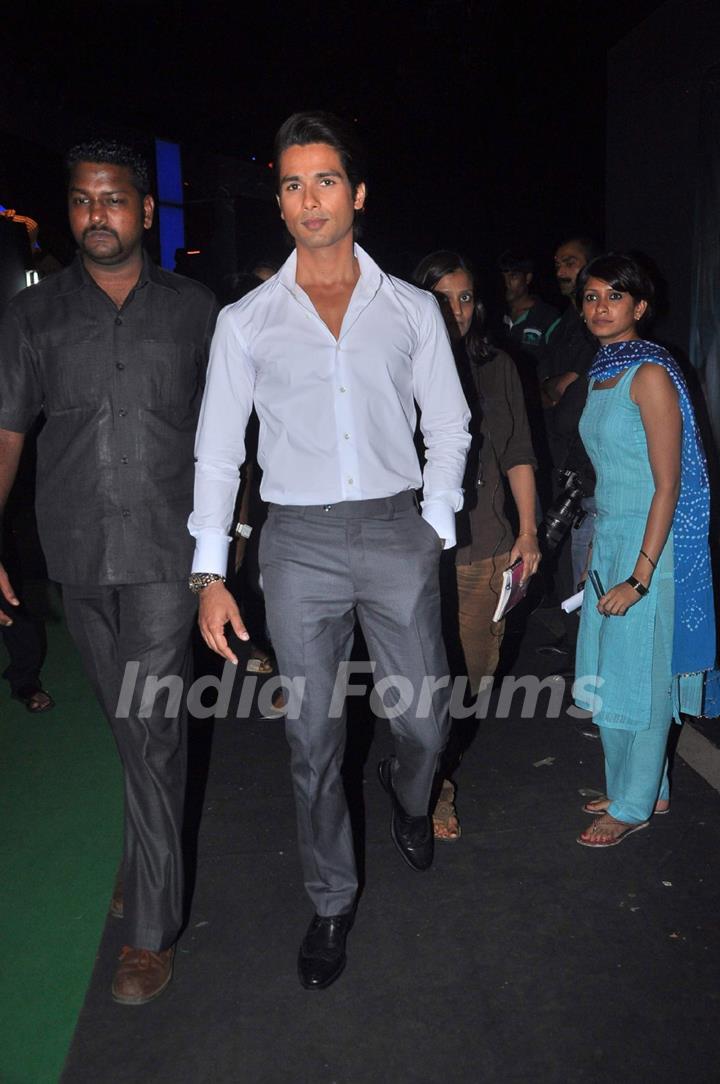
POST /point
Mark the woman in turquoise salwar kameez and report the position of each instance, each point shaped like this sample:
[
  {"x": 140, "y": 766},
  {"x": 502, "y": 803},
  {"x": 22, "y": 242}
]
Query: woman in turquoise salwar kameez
[{"x": 649, "y": 638}]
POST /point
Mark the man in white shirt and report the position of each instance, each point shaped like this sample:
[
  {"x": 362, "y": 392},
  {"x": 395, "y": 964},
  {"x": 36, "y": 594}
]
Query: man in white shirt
[{"x": 334, "y": 354}]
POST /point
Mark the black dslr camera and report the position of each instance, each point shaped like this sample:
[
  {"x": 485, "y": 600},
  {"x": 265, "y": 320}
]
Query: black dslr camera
[{"x": 565, "y": 513}]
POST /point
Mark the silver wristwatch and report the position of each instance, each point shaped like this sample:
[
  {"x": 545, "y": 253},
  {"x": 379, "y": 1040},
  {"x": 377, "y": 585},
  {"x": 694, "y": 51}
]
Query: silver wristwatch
[{"x": 198, "y": 580}]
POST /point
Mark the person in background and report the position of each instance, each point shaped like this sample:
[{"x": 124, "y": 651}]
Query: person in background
[
  {"x": 571, "y": 350},
  {"x": 647, "y": 629},
  {"x": 501, "y": 451},
  {"x": 527, "y": 326},
  {"x": 529, "y": 321},
  {"x": 24, "y": 638},
  {"x": 264, "y": 268}
]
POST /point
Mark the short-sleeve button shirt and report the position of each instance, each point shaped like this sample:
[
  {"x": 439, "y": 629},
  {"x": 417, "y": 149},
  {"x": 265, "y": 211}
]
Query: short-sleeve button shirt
[{"x": 121, "y": 390}]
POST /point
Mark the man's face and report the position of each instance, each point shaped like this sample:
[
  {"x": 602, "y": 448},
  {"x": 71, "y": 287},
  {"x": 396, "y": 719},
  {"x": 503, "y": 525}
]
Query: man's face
[
  {"x": 107, "y": 214},
  {"x": 569, "y": 262},
  {"x": 316, "y": 200},
  {"x": 517, "y": 285}
]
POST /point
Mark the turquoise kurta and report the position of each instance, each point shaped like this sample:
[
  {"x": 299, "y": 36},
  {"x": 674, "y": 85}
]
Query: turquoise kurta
[{"x": 631, "y": 654}]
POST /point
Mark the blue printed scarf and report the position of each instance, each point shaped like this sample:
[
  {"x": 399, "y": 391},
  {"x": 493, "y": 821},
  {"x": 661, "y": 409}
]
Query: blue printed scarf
[{"x": 694, "y": 626}]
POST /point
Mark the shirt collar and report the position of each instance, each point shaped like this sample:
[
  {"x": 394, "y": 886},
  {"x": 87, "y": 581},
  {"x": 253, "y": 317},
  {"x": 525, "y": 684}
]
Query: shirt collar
[
  {"x": 370, "y": 274},
  {"x": 79, "y": 276}
]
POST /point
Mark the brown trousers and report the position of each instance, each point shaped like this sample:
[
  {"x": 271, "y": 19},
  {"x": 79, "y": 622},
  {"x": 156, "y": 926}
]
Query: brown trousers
[{"x": 469, "y": 595}]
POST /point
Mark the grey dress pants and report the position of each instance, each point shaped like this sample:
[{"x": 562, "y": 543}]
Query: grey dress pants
[
  {"x": 148, "y": 624},
  {"x": 322, "y": 566}
]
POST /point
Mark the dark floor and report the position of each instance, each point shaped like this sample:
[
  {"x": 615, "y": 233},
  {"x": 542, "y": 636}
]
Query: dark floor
[{"x": 519, "y": 956}]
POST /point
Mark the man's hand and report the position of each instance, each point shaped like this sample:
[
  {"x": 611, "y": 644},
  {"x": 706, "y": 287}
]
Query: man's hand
[
  {"x": 217, "y": 608},
  {"x": 8, "y": 594}
]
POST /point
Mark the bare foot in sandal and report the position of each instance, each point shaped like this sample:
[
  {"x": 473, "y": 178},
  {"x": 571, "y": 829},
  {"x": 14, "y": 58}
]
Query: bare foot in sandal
[
  {"x": 601, "y": 805},
  {"x": 606, "y": 831},
  {"x": 446, "y": 825}
]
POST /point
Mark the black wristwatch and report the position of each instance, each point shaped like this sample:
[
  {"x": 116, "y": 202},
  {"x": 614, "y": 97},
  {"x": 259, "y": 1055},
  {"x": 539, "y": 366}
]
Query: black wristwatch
[{"x": 637, "y": 586}]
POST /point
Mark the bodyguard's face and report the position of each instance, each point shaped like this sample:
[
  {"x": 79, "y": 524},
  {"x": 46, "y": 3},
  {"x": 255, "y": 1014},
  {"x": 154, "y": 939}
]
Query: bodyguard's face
[
  {"x": 107, "y": 214},
  {"x": 317, "y": 203}
]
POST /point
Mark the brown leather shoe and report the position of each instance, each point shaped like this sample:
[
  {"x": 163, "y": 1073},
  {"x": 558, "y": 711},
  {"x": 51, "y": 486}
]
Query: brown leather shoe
[
  {"x": 117, "y": 909},
  {"x": 142, "y": 975}
]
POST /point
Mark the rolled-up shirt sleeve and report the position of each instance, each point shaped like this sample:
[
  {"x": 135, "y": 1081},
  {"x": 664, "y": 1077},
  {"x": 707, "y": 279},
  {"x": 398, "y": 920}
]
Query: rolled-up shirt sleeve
[
  {"x": 444, "y": 423},
  {"x": 220, "y": 445}
]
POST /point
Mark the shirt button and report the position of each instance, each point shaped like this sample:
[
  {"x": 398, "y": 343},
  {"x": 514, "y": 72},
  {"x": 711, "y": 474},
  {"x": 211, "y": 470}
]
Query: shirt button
[
  {"x": 125, "y": 513},
  {"x": 124, "y": 459},
  {"x": 347, "y": 436},
  {"x": 343, "y": 389},
  {"x": 122, "y": 413},
  {"x": 350, "y": 481},
  {"x": 120, "y": 366},
  {"x": 118, "y": 319}
]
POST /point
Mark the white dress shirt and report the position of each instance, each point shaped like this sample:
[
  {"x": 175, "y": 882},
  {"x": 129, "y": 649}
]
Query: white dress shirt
[{"x": 337, "y": 416}]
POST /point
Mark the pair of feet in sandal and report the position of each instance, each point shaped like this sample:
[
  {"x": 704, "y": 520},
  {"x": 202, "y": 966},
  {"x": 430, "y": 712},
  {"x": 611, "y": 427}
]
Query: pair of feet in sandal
[
  {"x": 446, "y": 826},
  {"x": 608, "y": 831}
]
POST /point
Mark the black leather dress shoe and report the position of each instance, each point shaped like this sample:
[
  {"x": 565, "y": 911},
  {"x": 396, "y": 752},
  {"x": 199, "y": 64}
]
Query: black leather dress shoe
[
  {"x": 413, "y": 836},
  {"x": 322, "y": 953}
]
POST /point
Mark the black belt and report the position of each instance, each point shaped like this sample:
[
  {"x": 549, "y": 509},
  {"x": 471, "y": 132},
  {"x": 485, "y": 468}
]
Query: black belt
[{"x": 375, "y": 506}]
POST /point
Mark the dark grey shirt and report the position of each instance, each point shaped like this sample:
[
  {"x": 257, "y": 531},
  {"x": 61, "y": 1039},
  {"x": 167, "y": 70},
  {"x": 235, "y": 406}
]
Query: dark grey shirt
[
  {"x": 121, "y": 391},
  {"x": 572, "y": 349},
  {"x": 501, "y": 441}
]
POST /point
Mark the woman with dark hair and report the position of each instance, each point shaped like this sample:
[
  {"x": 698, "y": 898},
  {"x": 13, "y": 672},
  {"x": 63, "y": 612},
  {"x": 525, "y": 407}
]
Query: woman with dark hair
[
  {"x": 647, "y": 632},
  {"x": 501, "y": 448}
]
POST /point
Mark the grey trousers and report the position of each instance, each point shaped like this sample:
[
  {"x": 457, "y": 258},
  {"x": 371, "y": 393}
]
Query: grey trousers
[
  {"x": 322, "y": 566},
  {"x": 150, "y": 624}
]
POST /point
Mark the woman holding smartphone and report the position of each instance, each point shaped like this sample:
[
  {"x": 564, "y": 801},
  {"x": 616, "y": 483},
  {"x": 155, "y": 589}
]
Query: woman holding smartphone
[{"x": 649, "y": 638}]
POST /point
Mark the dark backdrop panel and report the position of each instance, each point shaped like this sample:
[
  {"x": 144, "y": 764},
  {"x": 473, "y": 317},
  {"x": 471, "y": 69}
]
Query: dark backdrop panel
[{"x": 655, "y": 80}]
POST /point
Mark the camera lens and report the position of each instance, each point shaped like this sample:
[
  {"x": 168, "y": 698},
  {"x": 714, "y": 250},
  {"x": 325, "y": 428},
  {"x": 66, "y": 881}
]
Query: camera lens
[{"x": 568, "y": 511}]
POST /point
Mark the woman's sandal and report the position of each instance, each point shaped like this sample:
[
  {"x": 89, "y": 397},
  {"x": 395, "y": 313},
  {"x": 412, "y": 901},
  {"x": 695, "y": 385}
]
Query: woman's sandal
[
  {"x": 34, "y": 698},
  {"x": 446, "y": 826},
  {"x": 596, "y": 829},
  {"x": 259, "y": 664},
  {"x": 597, "y": 806}
]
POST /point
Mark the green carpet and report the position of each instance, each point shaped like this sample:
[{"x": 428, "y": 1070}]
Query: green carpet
[{"x": 61, "y": 816}]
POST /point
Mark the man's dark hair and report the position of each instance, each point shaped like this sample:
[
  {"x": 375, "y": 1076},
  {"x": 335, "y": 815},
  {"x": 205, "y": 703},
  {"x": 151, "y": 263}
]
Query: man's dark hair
[
  {"x": 319, "y": 127},
  {"x": 623, "y": 272},
  {"x": 516, "y": 261},
  {"x": 586, "y": 243},
  {"x": 114, "y": 154}
]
